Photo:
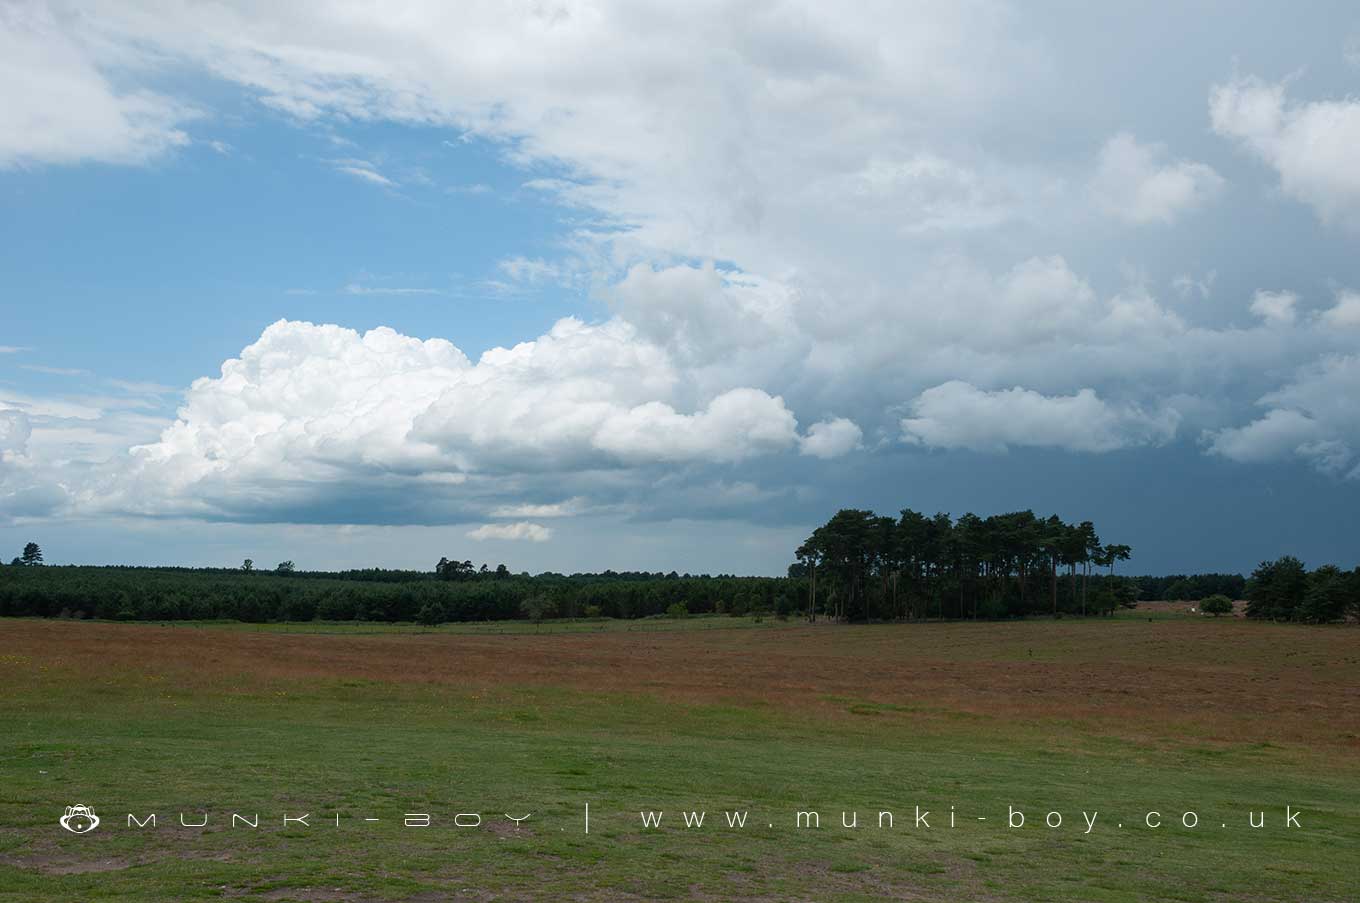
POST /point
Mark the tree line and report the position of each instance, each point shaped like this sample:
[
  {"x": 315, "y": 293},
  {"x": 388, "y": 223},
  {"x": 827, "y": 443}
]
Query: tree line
[
  {"x": 857, "y": 566},
  {"x": 127, "y": 593}
]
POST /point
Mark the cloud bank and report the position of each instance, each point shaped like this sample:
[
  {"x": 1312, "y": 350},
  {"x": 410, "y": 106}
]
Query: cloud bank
[{"x": 840, "y": 219}]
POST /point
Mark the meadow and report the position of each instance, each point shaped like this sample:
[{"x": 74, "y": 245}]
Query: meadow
[{"x": 1169, "y": 713}]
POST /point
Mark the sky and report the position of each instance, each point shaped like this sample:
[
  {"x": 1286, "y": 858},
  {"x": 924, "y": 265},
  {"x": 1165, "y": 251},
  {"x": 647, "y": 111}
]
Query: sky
[{"x": 587, "y": 285}]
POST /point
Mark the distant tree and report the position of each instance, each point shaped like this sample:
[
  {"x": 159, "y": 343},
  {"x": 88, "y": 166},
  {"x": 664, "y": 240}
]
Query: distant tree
[
  {"x": 1277, "y": 589},
  {"x": 32, "y": 554},
  {"x": 1125, "y": 591},
  {"x": 454, "y": 570},
  {"x": 248, "y": 565},
  {"x": 1327, "y": 597},
  {"x": 677, "y": 610},
  {"x": 536, "y": 607},
  {"x": 1217, "y": 605},
  {"x": 17, "y": 562},
  {"x": 502, "y": 572},
  {"x": 285, "y": 567},
  {"x": 1115, "y": 553},
  {"x": 1353, "y": 594},
  {"x": 431, "y": 613},
  {"x": 1091, "y": 552}
]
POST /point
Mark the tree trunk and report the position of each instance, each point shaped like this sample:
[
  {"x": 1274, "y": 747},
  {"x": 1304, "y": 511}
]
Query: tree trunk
[
  {"x": 1085, "y": 579},
  {"x": 812, "y": 596},
  {"x": 1053, "y": 583}
]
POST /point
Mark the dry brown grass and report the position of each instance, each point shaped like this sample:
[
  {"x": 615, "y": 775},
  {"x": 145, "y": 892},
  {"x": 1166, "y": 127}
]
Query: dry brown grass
[{"x": 1221, "y": 679}]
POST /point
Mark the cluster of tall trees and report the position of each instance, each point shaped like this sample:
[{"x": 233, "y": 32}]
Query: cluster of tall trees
[
  {"x": 1284, "y": 590},
  {"x": 863, "y": 566}
]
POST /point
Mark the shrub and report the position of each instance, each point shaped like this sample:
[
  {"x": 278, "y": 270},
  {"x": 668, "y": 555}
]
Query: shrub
[
  {"x": 677, "y": 610},
  {"x": 431, "y": 613},
  {"x": 1216, "y": 605},
  {"x": 536, "y": 608},
  {"x": 991, "y": 608}
]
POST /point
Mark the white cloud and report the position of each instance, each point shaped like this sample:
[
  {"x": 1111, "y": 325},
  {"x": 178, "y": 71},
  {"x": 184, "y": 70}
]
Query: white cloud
[
  {"x": 831, "y": 438},
  {"x": 557, "y": 509},
  {"x": 363, "y": 171},
  {"x": 738, "y": 424},
  {"x": 307, "y": 407},
  {"x": 879, "y": 237},
  {"x": 530, "y": 270},
  {"x": 54, "y": 371},
  {"x": 62, "y": 108},
  {"x": 524, "y": 531},
  {"x": 1275, "y": 307},
  {"x": 367, "y": 175},
  {"x": 1187, "y": 285},
  {"x": 1345, "y": 314},
  {"x": 1314, "y": 417},
  {"x": 1275, "y": 435},
  {"x": 14, "y": 431},
  {"x": 1310, "y": 145},
  {"x": 791, "y": 107},
  {"x": 357, "y": 288},
  {"x": 959, "y": 415},
  {"x": 1135, "y": 182}
]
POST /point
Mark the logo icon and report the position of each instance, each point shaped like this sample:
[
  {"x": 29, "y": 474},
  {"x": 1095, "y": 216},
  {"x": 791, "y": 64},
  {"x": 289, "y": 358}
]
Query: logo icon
[{"x": 79, "y": 819}]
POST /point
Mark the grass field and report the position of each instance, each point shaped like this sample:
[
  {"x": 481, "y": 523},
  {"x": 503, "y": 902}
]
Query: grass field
[{"x": 1118, "y": 716}]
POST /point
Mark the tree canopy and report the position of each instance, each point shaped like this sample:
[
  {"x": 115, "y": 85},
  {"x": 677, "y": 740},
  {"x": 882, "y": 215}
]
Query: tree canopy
[{"x": 862, "y": 566}]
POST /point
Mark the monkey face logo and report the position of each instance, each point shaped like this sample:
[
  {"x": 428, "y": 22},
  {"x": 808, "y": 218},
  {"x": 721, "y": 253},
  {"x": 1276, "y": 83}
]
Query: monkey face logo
[{"x": 79, "y": 819}]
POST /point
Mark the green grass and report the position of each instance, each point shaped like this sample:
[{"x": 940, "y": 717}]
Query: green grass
[{"x": 132, "y": 741}]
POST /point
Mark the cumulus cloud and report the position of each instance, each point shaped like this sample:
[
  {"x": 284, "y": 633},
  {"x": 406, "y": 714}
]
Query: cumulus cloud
[
  {"x": 308, "y": 411},
  {"x": 1137, "y": 183},
  {"x": 1313, "y": 417},
  {"x": 1310, "y": 145},
  {"x": 524, "y": 531},
  {"x": 29, "y": 487},
  {"x": 1273, "y": 436},
  {"x": 738, "y": 424},
  {"x": 957, "y": 414},
  {"x": 831, "y": 438}
]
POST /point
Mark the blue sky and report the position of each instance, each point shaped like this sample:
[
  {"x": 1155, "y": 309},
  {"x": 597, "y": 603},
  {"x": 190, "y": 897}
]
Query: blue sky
[{"x": 591, "y": 285}]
